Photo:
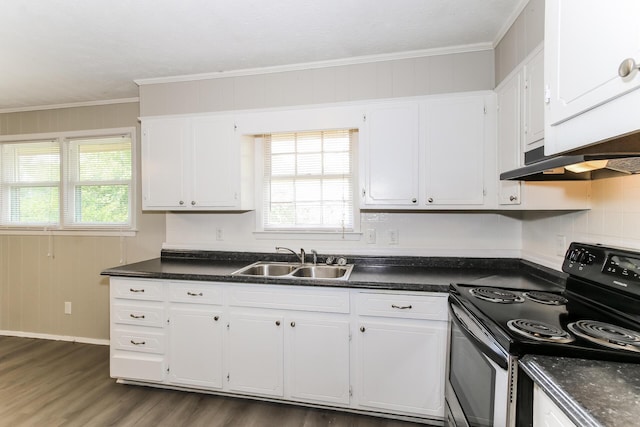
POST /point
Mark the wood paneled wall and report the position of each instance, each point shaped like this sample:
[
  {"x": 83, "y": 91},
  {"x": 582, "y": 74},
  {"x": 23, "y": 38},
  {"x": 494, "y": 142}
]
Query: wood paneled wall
[{"x": 38, "y": 273}]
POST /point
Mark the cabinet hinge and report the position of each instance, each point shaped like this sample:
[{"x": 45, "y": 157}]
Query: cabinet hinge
[
  {"x": 350, "y": 391},
  {"x": 364, "y": 117},
  {"x": 235, "y": 127},
  {"x": 168, "y": 370},
  {"x": 350, "y": 335},
  {"x": 547, "y": 95},
  {"x": 227, "y": 325},
  {"x": 485, "y": 109},
  {"x": 228, "y": 376},
  {"x": 168, "y": 320}
]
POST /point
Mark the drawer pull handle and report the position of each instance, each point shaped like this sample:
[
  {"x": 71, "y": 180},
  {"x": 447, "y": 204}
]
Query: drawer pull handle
[
  {"x": 136, "y": 290},
  {"x": 138, "y": 342},
  {"x": 193, "y": 294},
  {"x": 137, "y": 316},
  {"x": 401, "y": 307}
]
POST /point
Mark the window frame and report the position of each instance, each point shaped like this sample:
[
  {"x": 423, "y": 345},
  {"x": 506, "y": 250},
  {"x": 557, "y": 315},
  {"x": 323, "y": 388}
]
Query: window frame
[
  {"x": 66, "y": 224},
  {"x": 301, "y": 233}
]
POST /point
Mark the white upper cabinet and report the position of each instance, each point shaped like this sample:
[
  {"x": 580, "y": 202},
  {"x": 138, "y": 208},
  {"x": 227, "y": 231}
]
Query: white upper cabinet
[
  {"x": 533, "y": 72},
  {"x": 391, "y": 141},
  {"x": 586, "y": 41},
  {"x": 195, "y": 163},
  {"x": 426, "y": 154},
  {"x": 454, "y": 151},
  {"x": 508, "y": 153}
]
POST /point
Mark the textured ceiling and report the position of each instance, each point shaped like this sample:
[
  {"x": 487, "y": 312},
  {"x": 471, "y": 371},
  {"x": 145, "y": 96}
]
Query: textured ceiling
[{"x": 67, "y": 51}]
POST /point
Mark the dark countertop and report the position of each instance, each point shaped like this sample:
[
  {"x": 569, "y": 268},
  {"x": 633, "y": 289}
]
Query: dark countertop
[
  {"x": 591, "y": 392},
  {"x": 426, "y": 274}
]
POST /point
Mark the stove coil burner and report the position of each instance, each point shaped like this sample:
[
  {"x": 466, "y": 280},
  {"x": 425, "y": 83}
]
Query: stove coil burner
[
  {"x": 545, "y": 298},
  {"x": 606, "y": 334},
  {"x": 539, "y": 331},
  {"x": 496, "y": 295}
]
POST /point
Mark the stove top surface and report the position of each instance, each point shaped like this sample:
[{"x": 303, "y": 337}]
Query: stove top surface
[{"x": 547, "y": 320}]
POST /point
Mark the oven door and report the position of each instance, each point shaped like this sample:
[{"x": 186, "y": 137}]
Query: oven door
[{"x": 480, "y": 375}]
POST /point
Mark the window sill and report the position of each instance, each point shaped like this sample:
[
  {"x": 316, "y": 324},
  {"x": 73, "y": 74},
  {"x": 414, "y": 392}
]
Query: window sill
[{"x": 308, "y": 235}]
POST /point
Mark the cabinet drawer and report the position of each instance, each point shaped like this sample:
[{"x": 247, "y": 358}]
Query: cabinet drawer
[
  {"x": 431, "y": 307},
  {"x": 140, "y": 314},
  {"x": 138, "y": 340},
  {"x": 200, "y": 293},
  {"x": 290, "y": 298},
  {"x": 137, "y": 366},
  {"x": 137, "y": 289}
]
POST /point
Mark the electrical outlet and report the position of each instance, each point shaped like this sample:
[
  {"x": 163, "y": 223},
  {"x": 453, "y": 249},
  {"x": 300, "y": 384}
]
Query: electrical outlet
[
  {"x": 67, "y": 307},
  {"x": 219, "y": 234},
  {"x": 371, "y": 235},
  {"x": 393, "y": 236},
  {"x": 561, "y": 245}
]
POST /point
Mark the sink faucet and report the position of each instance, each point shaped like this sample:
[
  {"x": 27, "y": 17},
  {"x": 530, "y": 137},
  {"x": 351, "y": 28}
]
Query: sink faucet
[
  {"x": 300, "y": 257},
  {"x": 315, "y": 256}
]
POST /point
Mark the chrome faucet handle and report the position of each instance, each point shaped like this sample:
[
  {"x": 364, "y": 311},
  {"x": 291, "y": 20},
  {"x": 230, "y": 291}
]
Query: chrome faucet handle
[{"x": 330, "y": 260}]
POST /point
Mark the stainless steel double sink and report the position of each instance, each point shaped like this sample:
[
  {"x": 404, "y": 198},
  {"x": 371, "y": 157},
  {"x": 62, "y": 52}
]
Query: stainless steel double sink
[{"x": 295, "y": 270}]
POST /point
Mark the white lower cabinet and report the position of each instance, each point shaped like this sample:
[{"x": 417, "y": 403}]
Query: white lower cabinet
[
  {"x": 401, "y": 357},
  {"x": 255, "y": 353},
  {"x": 546, "y": 413},
  {"x": 317, "y": 366},
  {"x": 195, "y": 353},
  {"x": 378, "y": 352}
]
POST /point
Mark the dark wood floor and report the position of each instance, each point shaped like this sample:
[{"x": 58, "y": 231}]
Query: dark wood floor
[{"x": 54, "y": 383}]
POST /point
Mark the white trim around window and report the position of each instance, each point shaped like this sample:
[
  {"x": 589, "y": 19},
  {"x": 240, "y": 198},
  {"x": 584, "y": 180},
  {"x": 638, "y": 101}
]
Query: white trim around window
[{"x": 87, "y": 178}]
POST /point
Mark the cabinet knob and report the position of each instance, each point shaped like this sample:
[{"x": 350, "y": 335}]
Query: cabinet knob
[
  {"x": 181, "y": 202},
  {"x": 513, "y": 198},
  {"x": 293, "y": 324},
  {"x": 216, "y": 318},
  {"x": 627, "y": 66},
  {"x": 277, "y": 323},
  {"x": 193, "y": 203},
  {"x": 414, "y": 200},
  {"x": 430, "y": 200},
  {"x": 362, "y": 329}
]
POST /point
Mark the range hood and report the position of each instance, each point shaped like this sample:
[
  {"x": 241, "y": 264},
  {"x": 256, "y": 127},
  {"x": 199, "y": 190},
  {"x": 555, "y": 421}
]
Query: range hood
[{"x": 617, "y": 157}]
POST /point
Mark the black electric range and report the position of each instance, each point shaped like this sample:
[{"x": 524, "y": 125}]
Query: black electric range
[{"x": 597, "y": 316}]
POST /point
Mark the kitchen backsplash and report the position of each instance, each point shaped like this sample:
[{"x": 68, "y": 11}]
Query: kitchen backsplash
[{"x": 614, "y": 220}]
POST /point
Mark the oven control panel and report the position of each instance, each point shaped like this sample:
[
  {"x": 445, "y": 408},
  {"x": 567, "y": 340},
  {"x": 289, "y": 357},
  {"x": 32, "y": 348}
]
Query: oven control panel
[{"x": 614, "y": 267}]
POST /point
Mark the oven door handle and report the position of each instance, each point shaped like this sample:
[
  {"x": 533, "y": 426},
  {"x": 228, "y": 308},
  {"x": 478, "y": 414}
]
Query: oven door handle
[{"x": 483, "y": 342}]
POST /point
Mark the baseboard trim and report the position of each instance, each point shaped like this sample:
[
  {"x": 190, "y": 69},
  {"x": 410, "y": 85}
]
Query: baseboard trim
[{"x": 82, "y": 340}]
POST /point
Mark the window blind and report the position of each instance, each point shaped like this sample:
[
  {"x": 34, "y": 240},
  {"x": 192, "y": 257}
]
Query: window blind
[
  {"x": 30, "y": 191},
  {"x": 99, "y": 181},
  {"x": 308, "y": 182}
]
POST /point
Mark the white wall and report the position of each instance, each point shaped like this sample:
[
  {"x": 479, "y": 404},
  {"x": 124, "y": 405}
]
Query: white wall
[
  {"x": 614, "y": 220},
  {"x": 427, "y": 234}
]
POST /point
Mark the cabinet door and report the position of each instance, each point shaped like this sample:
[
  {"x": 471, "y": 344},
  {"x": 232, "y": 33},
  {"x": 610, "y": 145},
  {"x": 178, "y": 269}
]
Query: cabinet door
[
  {"x": 585, "y": 42},
  {"x": 455, "y": 151},
  {"x": 164, "y": 146},
  {"x": 195, "y": 351},
  {"x": 318, "y": 364},
  {"x": 391, "y": 147},
  {"x": 546, "y": 413},
  {"x": 534, "y": 102},
  {"x": 214, "y": 169},
  {"x": 255, "y": 353},
  {"x": 401, "y": 366},
  {"x": 508, "y": 153}
]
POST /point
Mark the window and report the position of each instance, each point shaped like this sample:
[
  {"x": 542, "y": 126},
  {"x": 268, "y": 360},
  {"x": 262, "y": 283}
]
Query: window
[
  {"x": 308, "y": 181},
  {"x": 67, "y": 182}
]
